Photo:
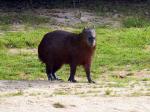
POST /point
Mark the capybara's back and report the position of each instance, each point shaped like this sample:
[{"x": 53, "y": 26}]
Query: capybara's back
[{"x": 53, "y": 46}]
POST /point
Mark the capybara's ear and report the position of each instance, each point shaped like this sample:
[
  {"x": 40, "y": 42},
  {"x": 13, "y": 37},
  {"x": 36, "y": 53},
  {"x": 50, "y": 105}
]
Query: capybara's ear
[
  {"x": 84, "y": 29},
  {"x": 93, "y": 26}
]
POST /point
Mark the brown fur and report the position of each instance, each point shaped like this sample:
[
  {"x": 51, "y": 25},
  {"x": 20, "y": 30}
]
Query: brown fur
[{"x": 61, "y": 47}]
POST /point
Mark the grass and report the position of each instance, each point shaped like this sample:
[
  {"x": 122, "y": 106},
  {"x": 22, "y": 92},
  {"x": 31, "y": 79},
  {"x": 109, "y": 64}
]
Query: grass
[
  {"x": 23, "y": 18},
  {"x": 108, "y": 92},
  {"x": 18, "y": 93},
  {"x": 136, "y": 22},
  {"x": 25, "y": 39},
  {"x": 116, "y": 48},
  {"x": 20, "y": 66},
  {"x": 60, "y": 92}
]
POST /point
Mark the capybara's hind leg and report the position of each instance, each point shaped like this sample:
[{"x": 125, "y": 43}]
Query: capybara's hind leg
[
  {"x": 72, "y": 73},
  {"x": 55, "y": 68},
  {"x": 49, "y": 72}
]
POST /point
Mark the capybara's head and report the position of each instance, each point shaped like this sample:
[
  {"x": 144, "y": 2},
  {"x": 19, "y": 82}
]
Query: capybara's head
[{"x": 89, "y": 36}]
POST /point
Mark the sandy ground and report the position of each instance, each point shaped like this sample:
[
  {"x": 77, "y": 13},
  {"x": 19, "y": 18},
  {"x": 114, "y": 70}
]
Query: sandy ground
[{"x": 45, "y": 96}]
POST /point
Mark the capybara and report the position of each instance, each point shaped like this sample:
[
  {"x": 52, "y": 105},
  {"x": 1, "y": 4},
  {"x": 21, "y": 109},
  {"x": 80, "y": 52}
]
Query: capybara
[{"x": 62, "y": 47}]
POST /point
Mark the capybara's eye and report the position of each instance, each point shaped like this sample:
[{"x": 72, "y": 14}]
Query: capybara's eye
[{"x": 91, "y": 38}]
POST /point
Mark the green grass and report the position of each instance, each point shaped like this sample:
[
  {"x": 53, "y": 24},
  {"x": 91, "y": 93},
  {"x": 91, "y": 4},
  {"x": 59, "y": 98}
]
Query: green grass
[
  {"x": 18, "y": 93},
  {"x": 20, "y": 66},
  {"x": 23, "y": 18},
  {"x": 28, "y": 39},
  {"x": 136, "y": 22},
  {"x": 108, "y": 92},
  {"x": 116, "y": 48}
]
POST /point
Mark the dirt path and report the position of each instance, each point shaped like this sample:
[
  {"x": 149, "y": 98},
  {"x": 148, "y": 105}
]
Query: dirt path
[
  {"x": 77, "y": 17},
  {"x": 45, "y": 96}
]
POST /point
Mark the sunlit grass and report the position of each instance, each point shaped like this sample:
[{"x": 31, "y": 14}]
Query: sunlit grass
[
  {"x": 116, "y": 48},
  {"x": 136, "y": 22}
]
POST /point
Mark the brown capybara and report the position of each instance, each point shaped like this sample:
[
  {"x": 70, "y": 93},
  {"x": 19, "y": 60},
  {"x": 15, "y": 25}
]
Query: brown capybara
[{"x": 62, "y": 47}]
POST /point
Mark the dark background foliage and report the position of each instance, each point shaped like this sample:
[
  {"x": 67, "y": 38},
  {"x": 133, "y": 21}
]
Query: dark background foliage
[{"x": 23, "y": 4}]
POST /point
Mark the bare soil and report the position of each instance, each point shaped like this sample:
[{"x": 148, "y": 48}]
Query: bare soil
[
  {"x": 45, "y": 96},
  {"x": 79, "y": 17}
]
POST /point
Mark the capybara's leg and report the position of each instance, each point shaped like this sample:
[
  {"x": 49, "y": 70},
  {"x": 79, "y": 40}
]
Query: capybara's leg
[
  {"x": 55, "y": 68},
  {"x": 72, "y": 73},
  {"x": 49, "y": 72},
  {"x": 87, "y": 70}
]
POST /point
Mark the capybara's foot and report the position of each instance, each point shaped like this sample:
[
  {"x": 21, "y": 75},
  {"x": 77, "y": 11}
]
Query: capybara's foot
[
  {"x": 50, "y": 77},
  {"x": 91, "y": 81},
  {"x": 58, "y": 79},
  {"x": 72, "y": 80}
]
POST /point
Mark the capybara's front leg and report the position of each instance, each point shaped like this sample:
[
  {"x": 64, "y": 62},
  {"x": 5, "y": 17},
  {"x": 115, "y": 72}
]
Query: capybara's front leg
[
  {"x": 72, "y": 73},
  {"x": 55, "y": 68},
  {"x": 55, "y": 76},
  {"x": 49, "y": 72},
  {"x": 87, "y": 70}
]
